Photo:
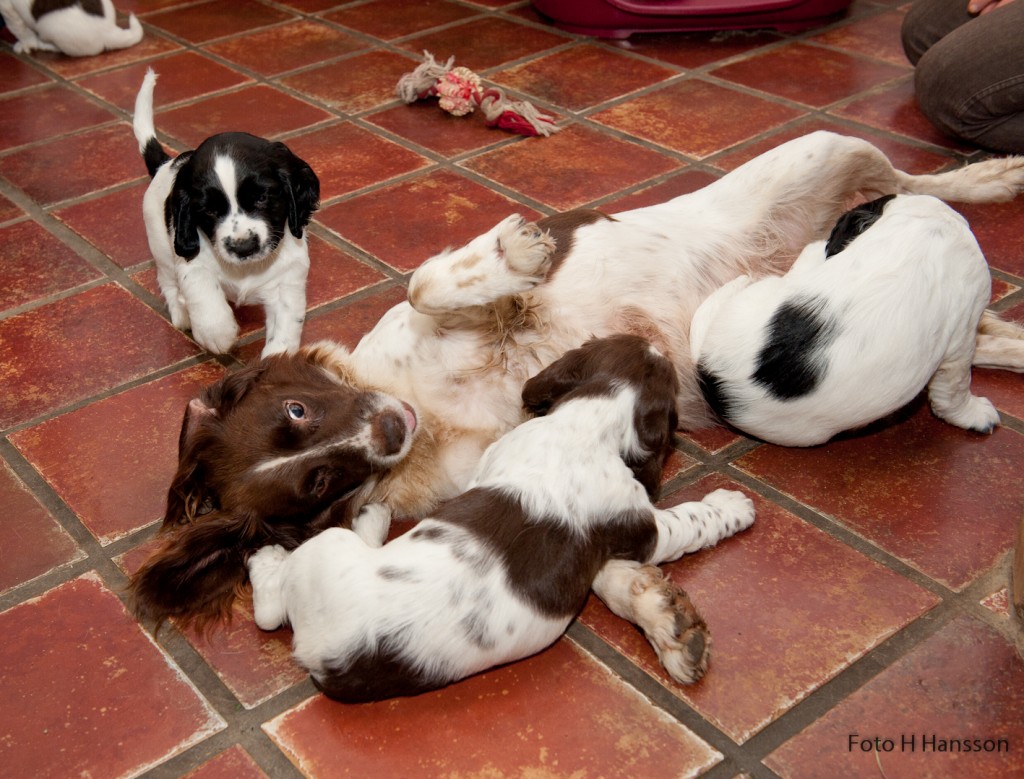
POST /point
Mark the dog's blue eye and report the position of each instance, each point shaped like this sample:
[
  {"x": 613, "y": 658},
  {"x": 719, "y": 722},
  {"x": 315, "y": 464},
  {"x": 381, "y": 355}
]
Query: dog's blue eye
[{"x": 295, "y": 410}]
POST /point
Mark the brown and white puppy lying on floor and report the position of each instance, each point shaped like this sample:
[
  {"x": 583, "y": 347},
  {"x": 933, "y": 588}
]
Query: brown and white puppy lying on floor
[
  {"x": 292, "y": 445},
  {"x": 559, "y": 504}
]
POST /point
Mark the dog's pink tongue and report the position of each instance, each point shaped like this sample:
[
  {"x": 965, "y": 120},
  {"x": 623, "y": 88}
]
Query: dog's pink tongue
[{"x": 410, "y": 417}]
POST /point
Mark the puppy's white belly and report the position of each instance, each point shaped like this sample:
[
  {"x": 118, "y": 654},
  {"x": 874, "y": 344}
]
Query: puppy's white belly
[{"x": 452, "y": 614}]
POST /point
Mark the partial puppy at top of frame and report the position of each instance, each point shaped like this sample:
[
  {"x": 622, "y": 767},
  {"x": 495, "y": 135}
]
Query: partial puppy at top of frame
[
  {"x": 227, "y": 222},
  {"x": 558, "y": 505},
  {"x": 890, "y": 304}
]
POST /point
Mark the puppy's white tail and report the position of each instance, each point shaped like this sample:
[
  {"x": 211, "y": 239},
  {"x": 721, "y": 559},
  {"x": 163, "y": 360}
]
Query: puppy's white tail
[
  {"x": 119, "y": 38},
  {"x": 988, "y": 181},
  {"x": 142, "y": 123}
]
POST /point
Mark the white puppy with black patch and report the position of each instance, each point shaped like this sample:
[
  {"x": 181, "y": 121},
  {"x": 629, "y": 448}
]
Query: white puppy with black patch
[
  {"x": 559, "y": 504},
  {"x": 855, "y": 330},
  {"x": 77, "y": 28},
  {"x": 227, "y": 222}
]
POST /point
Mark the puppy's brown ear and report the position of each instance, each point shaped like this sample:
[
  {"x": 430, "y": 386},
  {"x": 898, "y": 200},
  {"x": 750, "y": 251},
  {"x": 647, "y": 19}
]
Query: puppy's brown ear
[
  {"x": 655, "y": 420},
  {"x": 187, "y": 497},
  {"x": 195, "y": 575},
  {"x": 303, "y": 189},
  {"x": 550, "y": 385}
]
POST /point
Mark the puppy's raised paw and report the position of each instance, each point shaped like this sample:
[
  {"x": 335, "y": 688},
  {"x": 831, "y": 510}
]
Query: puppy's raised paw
[
  {"x": 526, "y": 248},
  {"x": 670, "y": 621}
]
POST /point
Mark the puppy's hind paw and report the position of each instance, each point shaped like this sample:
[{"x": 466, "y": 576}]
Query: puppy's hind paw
[
  {"x": 672, "y": 624},
  {"x": 526, "y": 248}
]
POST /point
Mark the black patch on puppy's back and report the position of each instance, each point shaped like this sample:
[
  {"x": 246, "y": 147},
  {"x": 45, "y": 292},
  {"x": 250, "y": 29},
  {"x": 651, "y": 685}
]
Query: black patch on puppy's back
[
  {"x": 42, "y": 7},
  {"x": 790, "y": 363},
  {"x": 713, "y": 389},
  {"x": 853, "y": 223},
  {"x": 375, "y": 673}
]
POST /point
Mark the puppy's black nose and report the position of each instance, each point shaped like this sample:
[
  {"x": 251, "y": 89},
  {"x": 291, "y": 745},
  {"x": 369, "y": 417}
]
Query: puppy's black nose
[{"x": 243, "y": 247}]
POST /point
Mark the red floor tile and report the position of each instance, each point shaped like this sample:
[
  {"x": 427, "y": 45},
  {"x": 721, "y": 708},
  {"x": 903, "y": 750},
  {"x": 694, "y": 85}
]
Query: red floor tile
[
  {"x": 894, "y": 108},
  {"x": 254, "y": 664},
  {"x": 333, "y": 274},
  {"x": 961, "y": 683},
  {"x": 564, "y": 714},
  {"x": 280, "y": 49},
  {"x": 180, "y": 77},
  {"x": 259, "y": 110},
  {"x": 949, "y": 509},
  {"x": 484, "y": 43},
  {"x": 75, "y": 67},
  {"x": 37, "y": 264},
  {"x": 998, "y": 228},
  {"x": 389, "y": 19},
  {"x": 424, "y": 123},
  {"x": 809, "y": 74},
  {"x": 206, "y": 21},
  {"x": 101, "y": 701},
  {"x": 348, "y": 324},
  {"x": 115, "y": 477},
  {"x": 875, "y": 36},
  {"x": 581, "y": 77},
  {"x": 16, "y": 74},
  {"x": 32, "y": 540},
  {"x": 9, "y": 210},
  {"x": 356, "y": 84},
  {"x": 406, "y": 223},
  {"x": 113, "y": 223},
  {"x": 77, "y": 346},
  {"x": 788, "y": 608},
  {"x": 74, "y": 165},
  {"x": 234, "y": 763},
  {"x": 347, "y": 158},
  {"x": 666, "y": 117},
  {"x": 22, "y": 121},
  {"x": 571, "y": 168}
]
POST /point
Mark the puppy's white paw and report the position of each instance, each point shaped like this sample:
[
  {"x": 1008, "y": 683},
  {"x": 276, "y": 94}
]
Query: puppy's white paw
[
  {"x": 736, "y": 510},
  {"x": 525, "y": 248},
  {"x": 266, "y": 560},
  {"x": 372, "y": 523},
  {"x": 672, "y": 624},
  {"x": 215, "y": 335},
  {"x": 977, "y": 414}
]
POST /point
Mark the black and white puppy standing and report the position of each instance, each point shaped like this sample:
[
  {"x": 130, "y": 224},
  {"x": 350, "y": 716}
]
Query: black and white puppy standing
[
  {"x": 77, "y": 28},
  {"x": 558, "y": 505},
  {"x": 889, "y": 305},
  {"x": 227, "y": 221}
]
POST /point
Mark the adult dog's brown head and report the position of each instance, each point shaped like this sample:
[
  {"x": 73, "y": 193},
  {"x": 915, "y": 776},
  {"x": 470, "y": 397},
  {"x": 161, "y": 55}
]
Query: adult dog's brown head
[
  {"x": 599, "y": 367},
  {"x": 271, "y": 454}
]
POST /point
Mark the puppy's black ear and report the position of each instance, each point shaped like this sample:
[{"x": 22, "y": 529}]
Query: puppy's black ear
[
  {"x": 181, "y": 219},
  {"x": 853, "y": 223},
  {"x": 550, "y": 385},
  {"x": 303, "y": 188}
]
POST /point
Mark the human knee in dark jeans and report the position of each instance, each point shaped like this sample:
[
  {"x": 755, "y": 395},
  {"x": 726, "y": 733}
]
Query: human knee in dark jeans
[{"x": 969, "y": 79}]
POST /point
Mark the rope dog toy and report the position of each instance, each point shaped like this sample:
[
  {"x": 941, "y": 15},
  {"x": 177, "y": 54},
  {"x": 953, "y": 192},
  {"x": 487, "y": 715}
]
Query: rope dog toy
[{"x": 460, "y": 92}]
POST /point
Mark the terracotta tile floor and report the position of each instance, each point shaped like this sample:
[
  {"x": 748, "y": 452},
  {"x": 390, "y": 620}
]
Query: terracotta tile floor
[{"x": 869, "y": 600}]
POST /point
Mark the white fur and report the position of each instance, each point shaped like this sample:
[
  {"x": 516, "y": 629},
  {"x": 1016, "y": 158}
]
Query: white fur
[
  {"x": 565, "y": 468},
  {"x": 904, "y": 299},
  {"x": 69, "y": 30},
  {"x": 197, "y": 291}
]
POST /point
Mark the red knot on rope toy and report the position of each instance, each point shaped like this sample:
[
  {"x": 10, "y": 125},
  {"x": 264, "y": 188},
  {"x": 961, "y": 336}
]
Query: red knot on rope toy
[{"x": 460, "y": 91}]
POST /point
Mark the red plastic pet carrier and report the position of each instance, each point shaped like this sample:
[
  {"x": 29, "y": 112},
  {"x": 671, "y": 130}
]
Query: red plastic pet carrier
[{"x": 622, "y": 18}]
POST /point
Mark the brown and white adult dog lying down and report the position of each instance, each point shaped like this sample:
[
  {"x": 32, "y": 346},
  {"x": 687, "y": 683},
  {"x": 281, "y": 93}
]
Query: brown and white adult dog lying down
[
  {"x": 292, "y": 445},
  {"x": 556, "y": 505}
]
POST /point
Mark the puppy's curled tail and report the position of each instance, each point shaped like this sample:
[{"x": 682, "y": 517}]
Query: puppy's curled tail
[
  {"x": 120, "y": 38},
  {"x": 142, "y": 123}
]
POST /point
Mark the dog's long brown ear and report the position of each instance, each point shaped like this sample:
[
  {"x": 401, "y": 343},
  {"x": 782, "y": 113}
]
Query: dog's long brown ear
[
  {"x": 561, "y": 377},
  {"x": 195, "y": 575},
  {"x": 655, "y": 420}
]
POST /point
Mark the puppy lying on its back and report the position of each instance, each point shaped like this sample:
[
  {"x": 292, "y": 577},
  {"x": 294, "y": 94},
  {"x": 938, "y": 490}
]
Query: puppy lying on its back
[
  {"x": 854, "y": 331},
  {"x": 559, "y": 504}
]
